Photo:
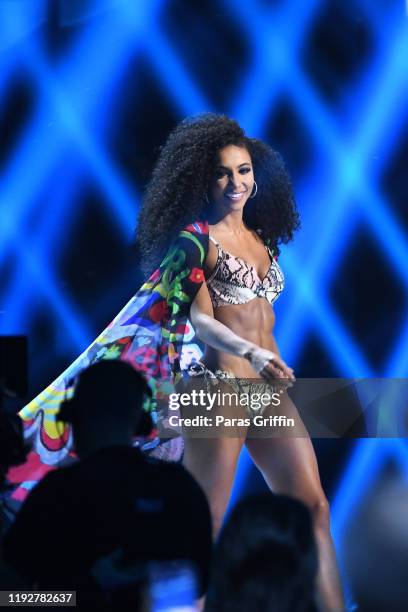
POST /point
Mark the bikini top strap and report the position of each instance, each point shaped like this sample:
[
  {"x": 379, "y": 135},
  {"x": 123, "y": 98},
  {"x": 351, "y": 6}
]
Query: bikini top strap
[
  {"x": 213, "y": 240},
  {"x": 270, "y": 251},
  {"x": 267, "y": 247}
]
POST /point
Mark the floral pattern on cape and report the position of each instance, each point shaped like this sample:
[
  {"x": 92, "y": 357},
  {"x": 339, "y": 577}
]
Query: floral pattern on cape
[{"x": 152, "y": 332}]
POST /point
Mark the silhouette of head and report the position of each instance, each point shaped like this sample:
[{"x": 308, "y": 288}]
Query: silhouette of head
[
  {"x": 108, "y": 398},
  {"x": 272, "y": 565}
]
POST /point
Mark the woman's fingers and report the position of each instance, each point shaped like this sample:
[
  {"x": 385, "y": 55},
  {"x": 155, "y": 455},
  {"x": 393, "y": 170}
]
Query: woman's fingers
[
  {"x": 279, "y": 384},
  {"x": 269, "y": 364},
  {"x": 280, "y": 365},
  {"x": 277, "y": 368}
]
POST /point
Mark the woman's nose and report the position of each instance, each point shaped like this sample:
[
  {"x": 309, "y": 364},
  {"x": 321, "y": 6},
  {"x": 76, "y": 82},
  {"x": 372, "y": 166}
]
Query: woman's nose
[{"x": 235, "y": 180}]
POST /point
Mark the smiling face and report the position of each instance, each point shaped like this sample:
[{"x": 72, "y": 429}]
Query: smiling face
[{"x": 233, "y": 179}]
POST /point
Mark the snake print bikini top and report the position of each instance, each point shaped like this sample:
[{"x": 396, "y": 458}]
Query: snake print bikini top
[{"x": 235, "y": 281}]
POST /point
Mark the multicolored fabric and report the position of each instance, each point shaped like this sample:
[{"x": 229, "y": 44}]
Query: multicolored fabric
[
  {"x": 152, "y": 332},
  {"x": 235, "y": 281}
]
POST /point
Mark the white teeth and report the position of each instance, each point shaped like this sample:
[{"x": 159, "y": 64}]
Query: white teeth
[{"x": 235, "y": 196}]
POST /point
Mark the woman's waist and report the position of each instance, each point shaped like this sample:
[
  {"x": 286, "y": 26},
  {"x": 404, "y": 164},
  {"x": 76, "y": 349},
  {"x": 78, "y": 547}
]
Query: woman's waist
[
  {"x": 253, "y": 322},
  {"x": 232, "y": 364}
]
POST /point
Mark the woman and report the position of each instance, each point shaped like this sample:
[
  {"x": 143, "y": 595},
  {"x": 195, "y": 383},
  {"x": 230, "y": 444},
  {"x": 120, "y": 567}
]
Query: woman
[
  {"x": 207, "y": 170},
  {"x": 219, "y": 274}
]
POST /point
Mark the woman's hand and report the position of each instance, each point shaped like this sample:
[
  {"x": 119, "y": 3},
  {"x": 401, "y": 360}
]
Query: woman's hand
[{"x": 268, "y": 364}]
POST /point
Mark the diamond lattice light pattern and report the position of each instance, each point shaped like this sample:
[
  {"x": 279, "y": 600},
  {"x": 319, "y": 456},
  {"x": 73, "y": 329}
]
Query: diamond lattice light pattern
[{"x": 61, "y": 146}]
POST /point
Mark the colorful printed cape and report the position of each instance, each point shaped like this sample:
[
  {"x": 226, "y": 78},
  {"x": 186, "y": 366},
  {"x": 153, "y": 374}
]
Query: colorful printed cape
[{"x": 152, "y": 332}]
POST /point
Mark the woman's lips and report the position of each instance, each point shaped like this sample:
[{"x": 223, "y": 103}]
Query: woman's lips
[{"x": 235, "y": 197}]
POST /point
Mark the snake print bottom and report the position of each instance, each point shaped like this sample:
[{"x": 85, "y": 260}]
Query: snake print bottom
[{"x": 251, "y": 388}]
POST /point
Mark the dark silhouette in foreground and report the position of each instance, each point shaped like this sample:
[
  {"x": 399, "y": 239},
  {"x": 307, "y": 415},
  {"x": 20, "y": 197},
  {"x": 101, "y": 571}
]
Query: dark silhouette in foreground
[
  {"x": 113, "y": 499},
  {"x": 265, "y": 558}
]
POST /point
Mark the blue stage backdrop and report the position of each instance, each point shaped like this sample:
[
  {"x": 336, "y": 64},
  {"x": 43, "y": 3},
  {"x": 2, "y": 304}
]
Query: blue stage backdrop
[{"x": 90, "y": 89}]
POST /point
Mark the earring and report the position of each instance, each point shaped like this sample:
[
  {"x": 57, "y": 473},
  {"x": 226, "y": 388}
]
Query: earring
[
  {"x": 256, "y": 191},
  {"x": 206, "y": 198}
]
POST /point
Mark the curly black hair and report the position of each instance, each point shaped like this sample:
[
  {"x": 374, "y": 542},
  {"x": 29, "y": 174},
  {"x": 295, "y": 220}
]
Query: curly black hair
[{"x": 176, "y": 193}]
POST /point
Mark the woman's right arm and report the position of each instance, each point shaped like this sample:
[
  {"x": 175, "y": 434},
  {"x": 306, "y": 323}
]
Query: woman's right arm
[{"x": 220, "y": 337}]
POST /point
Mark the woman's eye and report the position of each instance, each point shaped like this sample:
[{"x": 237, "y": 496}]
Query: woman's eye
[{"x": 219, "y": 174}]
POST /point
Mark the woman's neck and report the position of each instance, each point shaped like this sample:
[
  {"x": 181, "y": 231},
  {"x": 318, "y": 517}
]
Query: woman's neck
[{"x": 231, "y": 223}]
